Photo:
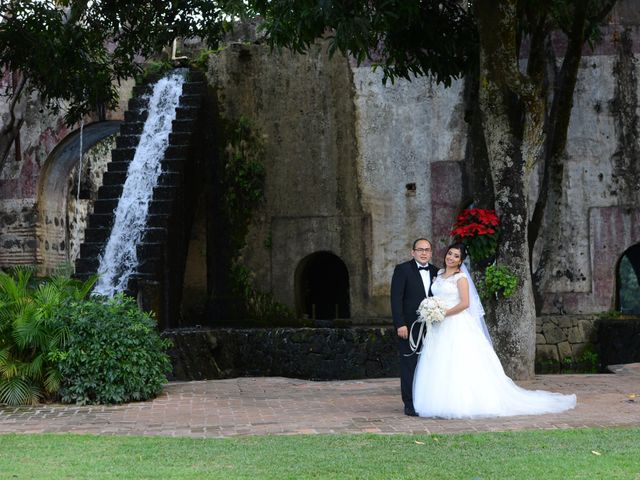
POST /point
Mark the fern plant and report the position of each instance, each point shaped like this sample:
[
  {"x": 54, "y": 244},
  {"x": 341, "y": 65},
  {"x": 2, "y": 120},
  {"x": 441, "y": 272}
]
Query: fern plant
[{"x": 30, "y": 337}]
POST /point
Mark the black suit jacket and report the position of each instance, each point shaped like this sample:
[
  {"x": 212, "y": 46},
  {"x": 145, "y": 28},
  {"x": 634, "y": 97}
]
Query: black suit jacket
[{"x": 407, "y": 291}]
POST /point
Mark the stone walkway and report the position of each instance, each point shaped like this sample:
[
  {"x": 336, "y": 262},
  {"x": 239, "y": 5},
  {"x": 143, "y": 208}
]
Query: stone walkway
[{"x": 275, "y": 405}]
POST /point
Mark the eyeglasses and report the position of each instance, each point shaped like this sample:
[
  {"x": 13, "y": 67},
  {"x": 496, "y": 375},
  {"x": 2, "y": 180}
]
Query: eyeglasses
[{"x": 422, "y": 250}]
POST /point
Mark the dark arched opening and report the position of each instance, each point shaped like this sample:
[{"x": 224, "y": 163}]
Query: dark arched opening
[
  {"x": 628, "y": 279},
  {"x": 322, "y": 287}
]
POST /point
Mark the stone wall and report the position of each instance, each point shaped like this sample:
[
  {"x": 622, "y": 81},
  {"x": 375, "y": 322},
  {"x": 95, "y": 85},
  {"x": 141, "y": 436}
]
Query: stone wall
[
  {"x": 562, "y": 339},
  {"x": 314, "y": 353},
  {"x": 355, "y": 352},
  {"x": 29, "y": 235},
  {"x": 360, "y": 169},
  {"x": 303, "y": 106},
  {"x": 619, "y": 340}
]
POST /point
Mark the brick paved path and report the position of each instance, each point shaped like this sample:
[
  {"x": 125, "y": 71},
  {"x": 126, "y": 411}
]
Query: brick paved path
[{"x": 275, "y": 405}]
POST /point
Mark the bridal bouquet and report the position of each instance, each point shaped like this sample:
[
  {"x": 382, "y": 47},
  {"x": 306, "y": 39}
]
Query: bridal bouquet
[{"x": 431, "y": 310}]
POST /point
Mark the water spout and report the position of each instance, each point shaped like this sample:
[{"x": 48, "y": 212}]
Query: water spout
[{"x": 120, "y": 259}]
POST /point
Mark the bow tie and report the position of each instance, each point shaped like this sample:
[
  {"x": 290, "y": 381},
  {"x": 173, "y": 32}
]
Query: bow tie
[{"x": 423, "y": 268}]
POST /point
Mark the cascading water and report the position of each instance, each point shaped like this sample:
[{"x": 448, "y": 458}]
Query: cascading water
[{"x": 120, "y": 258}]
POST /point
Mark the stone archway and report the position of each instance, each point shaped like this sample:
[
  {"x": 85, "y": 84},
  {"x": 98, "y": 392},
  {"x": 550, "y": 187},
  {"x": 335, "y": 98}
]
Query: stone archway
[
  {"x": 322, "y": 287},
  {"x": 57, "y": 229},
  {"x": 628, "y": 281}
]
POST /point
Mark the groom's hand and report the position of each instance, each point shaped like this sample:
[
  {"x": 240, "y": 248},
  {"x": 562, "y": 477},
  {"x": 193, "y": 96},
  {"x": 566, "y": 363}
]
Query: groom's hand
[{"x": 403, "y": 332}]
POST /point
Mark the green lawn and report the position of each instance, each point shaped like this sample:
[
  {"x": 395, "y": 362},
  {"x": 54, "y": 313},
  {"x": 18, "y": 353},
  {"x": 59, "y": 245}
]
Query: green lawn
[{"x": 551, "y": 454}]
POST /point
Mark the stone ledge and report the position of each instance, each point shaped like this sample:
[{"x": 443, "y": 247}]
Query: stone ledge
[{"x": 310, "y": 353}]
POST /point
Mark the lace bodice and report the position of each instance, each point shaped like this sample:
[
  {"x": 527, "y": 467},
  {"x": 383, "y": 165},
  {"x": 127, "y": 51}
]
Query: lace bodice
[{"x": 447, "y": 288}]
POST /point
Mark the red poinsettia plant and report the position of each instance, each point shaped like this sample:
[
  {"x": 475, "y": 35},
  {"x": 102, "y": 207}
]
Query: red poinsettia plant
[{"x": 478, "y": 230}]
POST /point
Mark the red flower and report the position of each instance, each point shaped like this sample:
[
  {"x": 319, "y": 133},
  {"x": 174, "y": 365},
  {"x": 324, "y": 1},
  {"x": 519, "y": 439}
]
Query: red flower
[{"x": 475, "y": 221}]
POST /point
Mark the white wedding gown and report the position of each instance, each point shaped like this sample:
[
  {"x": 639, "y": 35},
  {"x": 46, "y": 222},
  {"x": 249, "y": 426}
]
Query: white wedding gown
[{"x": 460, "y": 376}]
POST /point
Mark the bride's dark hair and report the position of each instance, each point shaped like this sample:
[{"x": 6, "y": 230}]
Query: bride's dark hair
[{"x": 457, "y": 246}]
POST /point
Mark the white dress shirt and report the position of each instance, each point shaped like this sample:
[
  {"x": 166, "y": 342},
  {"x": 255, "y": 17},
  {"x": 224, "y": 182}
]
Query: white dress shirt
[{"x": 426, "y": 277}]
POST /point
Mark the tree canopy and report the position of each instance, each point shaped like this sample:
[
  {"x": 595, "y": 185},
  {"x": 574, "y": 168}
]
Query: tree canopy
[
  {"x": 403, "y": 38},
  {"x": 73, "y": 51}
]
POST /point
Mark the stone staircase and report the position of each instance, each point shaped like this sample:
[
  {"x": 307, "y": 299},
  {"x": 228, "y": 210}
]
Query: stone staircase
[{"x": 162, "y": 251}]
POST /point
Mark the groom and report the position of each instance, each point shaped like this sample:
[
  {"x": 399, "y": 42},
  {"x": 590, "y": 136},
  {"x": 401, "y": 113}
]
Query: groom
[{"x": 410, "y": 284}]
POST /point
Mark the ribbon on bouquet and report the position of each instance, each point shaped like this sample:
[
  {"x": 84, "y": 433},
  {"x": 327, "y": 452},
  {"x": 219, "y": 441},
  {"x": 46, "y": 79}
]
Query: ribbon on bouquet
[{"x": 422, "y": 334}]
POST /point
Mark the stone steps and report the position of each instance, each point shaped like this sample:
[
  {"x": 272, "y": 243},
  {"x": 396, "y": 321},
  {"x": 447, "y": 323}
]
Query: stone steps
[{"x": 167, "y": 196}]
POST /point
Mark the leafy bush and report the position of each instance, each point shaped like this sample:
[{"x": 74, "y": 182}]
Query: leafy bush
[
  {"x": 114, "y": 352},
  {"x": 498, "y": 281},
  {"x": 30, "y": 340}
]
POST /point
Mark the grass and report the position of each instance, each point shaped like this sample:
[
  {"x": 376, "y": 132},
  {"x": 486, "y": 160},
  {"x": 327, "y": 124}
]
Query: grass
[{"x": 551, "y": 454}]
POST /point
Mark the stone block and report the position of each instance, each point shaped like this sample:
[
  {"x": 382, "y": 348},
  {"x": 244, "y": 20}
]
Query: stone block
[
  {"x": 564, "y": 350},
  {"x": 540, "y": 340},
  {"x": 553, "y": 333},
  {"x": 576, "y": 335},
  {"x": 588, "y": 330},
  {"x": 547, "y": 353},
  {"x": 566, "y": 321}
]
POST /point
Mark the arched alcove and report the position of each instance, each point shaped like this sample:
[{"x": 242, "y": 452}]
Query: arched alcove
[
  {"x": 322, "y": 287},
  {"x": 628, "y": 281},
  {"x": 57, "y": 229}
]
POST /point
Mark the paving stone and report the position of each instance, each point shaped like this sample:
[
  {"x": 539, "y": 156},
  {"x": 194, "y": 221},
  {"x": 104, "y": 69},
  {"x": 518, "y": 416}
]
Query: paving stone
[{"x": 284, "y": 406}]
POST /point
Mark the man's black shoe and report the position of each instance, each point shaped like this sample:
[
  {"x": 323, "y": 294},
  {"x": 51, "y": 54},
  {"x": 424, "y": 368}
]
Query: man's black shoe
[{"x": 410, "y": 412}]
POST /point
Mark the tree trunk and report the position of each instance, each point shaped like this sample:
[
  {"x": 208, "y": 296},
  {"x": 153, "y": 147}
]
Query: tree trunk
[
  {"x": 550, "y": 199},
  {"x": 11, "y": 128},
  {"x": 478, "y": 183},
  {"x": 513, "y": 325}
]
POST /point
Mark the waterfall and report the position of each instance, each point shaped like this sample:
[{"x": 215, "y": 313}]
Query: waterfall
[{"x": 120, "y": 259}]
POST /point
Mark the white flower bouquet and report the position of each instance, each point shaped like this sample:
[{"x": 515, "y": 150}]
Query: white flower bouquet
[{"x": 431, "y": 310}]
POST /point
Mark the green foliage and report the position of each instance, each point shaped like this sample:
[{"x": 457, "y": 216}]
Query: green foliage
[
  {"x": 499, "y": 281},
  {"x": 201, "y": 60},
  {"x": 30, "y": 339},
  {"x": 240, "y": 190},
  {"x": 404, "y": 38},
  {"x": 114, "y": 353},
  {"x": 614, "y": 314},
  {"x": 95, "y": 44},
  {"x": 153, "y": 71},
  {"x": 587, "y": 362},
  {"x": 243, "y": 170}
]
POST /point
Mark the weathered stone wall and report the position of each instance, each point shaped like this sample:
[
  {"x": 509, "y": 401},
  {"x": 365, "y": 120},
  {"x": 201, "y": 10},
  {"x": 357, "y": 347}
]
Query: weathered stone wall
[
  {"x": 406, "y": 151},
  {"x": 600, "y": 205},
  {"x": 62, "y": 217},
  {"x": 315, "y": 353},
  {"x": 410, "y": 136},
  {"x": 303, "y": 105},
  {"x": 561, "y": 337},
  {"x": 343, "y": 353},
  {"x": 29, "y": 235},
  {"x": 348, "y": 164}
]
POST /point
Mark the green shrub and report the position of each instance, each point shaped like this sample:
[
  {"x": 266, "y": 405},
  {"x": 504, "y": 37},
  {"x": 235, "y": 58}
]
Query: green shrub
[
  {"x": 30, "y": 341},
  {"x": 114, "y": 352},
  {"x": 498, "y": 281}
]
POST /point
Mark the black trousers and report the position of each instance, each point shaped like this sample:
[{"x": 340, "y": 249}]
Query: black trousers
[{"x": 408, "y": 361}]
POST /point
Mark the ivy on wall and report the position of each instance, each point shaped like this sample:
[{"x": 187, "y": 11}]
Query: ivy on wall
[{"x": 240, "y": 193}]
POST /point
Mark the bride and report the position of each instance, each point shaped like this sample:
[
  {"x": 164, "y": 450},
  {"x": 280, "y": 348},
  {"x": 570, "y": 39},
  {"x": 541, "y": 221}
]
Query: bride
[{"x": 458, "y": 373}]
